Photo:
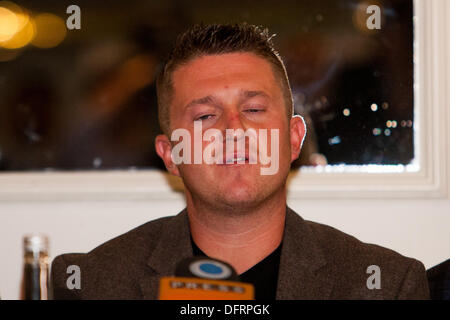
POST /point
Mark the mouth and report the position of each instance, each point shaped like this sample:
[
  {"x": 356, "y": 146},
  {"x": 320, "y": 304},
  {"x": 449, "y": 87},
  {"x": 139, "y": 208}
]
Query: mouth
[{"x": 236, "y": 159}]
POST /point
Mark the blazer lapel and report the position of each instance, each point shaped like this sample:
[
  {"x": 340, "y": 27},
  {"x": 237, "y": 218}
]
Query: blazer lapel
[
  {"x": 174, "y": 245},
  {"x": 303, "y": 272}
]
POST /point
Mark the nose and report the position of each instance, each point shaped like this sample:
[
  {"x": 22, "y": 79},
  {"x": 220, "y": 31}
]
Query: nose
[{"x": 233, "y": 120}]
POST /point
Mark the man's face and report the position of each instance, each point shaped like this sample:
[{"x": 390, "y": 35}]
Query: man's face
[{"x": 231, "y": 91}]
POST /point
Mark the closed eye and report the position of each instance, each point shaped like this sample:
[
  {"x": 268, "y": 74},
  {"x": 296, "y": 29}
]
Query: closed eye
[
  {"x": 254, "y": 110},
  {"x": 204, "y": 117}
]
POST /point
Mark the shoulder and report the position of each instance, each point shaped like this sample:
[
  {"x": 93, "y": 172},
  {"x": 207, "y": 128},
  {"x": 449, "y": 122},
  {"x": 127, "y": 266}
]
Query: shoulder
[
  {"x": 352, "y": 262},
  {"x": 340, "y": 247},
  {"x": 118, "y": 262}
]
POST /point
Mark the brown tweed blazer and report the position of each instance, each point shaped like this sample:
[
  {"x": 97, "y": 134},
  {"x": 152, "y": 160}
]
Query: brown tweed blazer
[{"x": 317, "y": 262}]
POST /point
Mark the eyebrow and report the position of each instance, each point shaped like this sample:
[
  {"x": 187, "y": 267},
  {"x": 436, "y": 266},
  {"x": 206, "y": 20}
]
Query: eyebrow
[
  {"x": 199, "y": 101},
  {"x": 244, "y": 95},
  {"x": 250, "y": 94}
]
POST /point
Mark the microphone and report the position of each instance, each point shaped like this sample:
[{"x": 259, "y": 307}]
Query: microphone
[{"x": 203, "y": 278}]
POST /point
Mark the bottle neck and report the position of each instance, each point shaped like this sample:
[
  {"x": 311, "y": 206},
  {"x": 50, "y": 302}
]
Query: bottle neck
[{"x": 36, "y": 268}]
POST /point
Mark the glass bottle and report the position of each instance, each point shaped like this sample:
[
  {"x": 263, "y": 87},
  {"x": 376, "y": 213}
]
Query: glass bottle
[{"x": 36, "y": 267}]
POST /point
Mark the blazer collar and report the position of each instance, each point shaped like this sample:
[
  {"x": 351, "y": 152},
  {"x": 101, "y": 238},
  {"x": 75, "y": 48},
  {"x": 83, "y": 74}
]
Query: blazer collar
[{"x": 303, "y": 272}]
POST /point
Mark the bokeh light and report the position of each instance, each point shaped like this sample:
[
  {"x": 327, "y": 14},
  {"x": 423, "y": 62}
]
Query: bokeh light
[
  {"x": 346, "y": 112},
  {"x": 24, "y": 35},
  {"x": 9, "y": 24},
  {"x": 50, "y": 30},
  {"x": 16, "y": 27}
]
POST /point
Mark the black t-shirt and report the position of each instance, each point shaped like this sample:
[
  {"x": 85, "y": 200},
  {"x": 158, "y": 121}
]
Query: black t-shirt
[{"x": 263, "y": 275}]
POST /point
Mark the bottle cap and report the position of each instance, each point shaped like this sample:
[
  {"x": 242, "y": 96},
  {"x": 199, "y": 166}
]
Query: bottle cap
[{"x": 35, "y": 243}]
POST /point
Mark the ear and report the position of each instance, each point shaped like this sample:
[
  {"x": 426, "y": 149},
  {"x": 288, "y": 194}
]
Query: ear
[
  {"x": 164, "y": 151},
  {"x": 298, "y": 134}
]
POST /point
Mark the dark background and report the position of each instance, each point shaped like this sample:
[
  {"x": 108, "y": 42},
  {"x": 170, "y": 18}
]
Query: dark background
[{"x": 90, "y": 102}]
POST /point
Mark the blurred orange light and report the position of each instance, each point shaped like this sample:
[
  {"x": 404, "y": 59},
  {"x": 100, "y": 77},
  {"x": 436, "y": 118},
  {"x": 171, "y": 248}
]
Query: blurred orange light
[
  {"x": 9, "y": 24},
  {"x": 23, "y": 36},
  {"x": 16, "y": 29},
  {"x": 50, "y": 30}
]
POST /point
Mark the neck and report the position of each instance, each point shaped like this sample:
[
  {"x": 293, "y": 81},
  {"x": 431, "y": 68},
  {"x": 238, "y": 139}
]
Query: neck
[{"x": 241, "y": 238}]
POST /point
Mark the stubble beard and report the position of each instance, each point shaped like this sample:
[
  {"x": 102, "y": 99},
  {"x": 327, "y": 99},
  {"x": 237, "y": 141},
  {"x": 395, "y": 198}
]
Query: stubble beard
[{"x": 225, "y": 202}]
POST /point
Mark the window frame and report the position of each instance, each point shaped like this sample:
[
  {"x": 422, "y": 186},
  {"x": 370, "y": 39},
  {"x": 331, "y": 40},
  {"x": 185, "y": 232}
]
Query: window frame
[{"x": 432, "y": 136}]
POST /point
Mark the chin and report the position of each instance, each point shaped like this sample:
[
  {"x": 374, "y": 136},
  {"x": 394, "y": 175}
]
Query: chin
[
  {"x": 241, "y": 198},
  {"x": 238, "y": 197}
]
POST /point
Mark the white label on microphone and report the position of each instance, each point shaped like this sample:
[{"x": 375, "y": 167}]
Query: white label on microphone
[{"x": 210, "y": 269}]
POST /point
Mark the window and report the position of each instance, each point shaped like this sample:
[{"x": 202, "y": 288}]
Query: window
[{"x": 86, "y": 101}]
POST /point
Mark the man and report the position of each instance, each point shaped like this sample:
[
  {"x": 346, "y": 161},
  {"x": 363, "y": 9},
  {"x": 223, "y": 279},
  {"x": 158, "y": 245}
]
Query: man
[{"x": 224, "y": 78}]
